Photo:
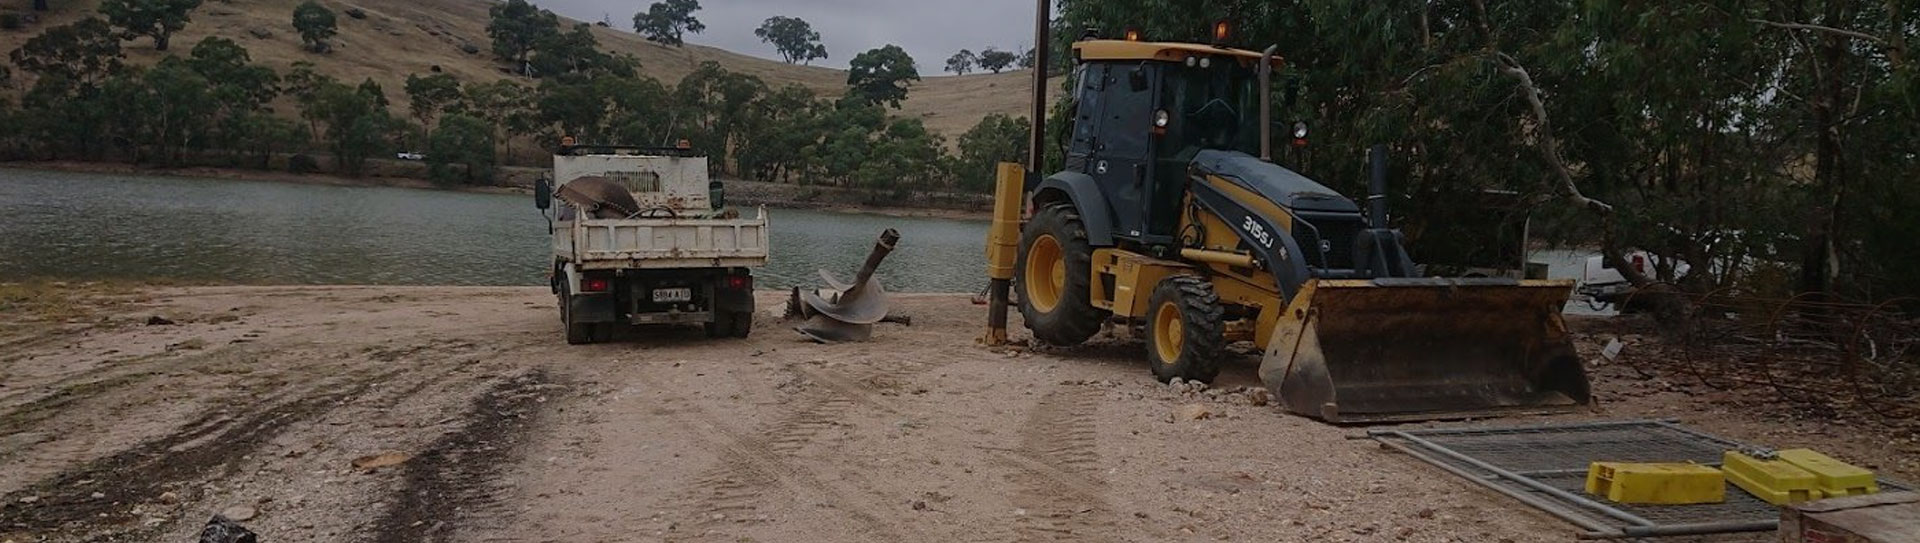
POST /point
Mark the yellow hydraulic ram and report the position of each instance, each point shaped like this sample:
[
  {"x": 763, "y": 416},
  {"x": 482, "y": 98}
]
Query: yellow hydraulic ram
[{"x": 1003, "y": 245}]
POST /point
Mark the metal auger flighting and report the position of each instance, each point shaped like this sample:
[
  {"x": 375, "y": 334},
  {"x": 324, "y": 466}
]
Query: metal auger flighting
[{"x": 849, "y": 310}]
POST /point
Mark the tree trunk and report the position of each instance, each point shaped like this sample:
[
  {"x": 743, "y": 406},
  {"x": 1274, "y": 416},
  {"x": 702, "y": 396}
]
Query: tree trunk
[
  {"x": 1899, "y": 42},
  {"x": 39, "y": 5},
  {"x": 1667, "y": 303},
  {"x": 1818, "y": 265},
  {"x": 1426, "y": 28},
  {"x": 160, "y": 41}
]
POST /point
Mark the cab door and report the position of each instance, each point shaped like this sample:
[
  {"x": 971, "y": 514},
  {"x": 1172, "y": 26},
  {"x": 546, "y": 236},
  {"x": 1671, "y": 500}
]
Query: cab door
[
  {"x": 1090, "y": 99},
  {"x": 1122, "y": 162}
]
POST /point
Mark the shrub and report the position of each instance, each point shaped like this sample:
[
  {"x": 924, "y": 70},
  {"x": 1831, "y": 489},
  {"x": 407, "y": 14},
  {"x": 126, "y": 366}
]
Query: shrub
[{"x": 303, "y": 164}]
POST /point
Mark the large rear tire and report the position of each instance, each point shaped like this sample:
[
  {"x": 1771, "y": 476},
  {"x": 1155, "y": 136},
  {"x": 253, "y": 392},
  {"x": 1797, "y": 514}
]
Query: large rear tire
[
  {"x": 742, "y": 324},
  {"x": 1185, "y": 335},
  {"x": 1054, "y": 276},
  {"x": 578, "y": 333},
  {"x": 734, "y": 324}
]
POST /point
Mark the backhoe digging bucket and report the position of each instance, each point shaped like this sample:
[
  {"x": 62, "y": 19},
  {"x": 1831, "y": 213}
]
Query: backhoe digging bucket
[{"x": 1356, "y": 351}]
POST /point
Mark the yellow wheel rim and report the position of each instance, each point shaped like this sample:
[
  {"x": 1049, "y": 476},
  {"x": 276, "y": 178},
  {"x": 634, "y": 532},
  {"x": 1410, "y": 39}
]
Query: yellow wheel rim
[
  {"x": 1167, "y": 333},
  {"x": 1046, "y": 276}
]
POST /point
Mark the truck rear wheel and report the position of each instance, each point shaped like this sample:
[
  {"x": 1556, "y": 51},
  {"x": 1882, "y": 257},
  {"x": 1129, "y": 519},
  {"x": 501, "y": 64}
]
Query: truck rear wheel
[
  {"x": 578, "y": 333},
  {"x": 1185, "y": 333},
  {"x": 1053, "y": 281},
  {"x": 735, "y": 324}
]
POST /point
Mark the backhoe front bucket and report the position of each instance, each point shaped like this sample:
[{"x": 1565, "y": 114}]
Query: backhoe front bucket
[{"x": 1355, "y": 351}]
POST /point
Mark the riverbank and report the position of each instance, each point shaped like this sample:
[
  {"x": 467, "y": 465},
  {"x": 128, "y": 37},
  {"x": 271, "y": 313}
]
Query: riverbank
[
  {"x": 519, "y": 180},
  {"x": 245, "y": 174},
  {"x": 841, "y": 200},
  {"x": 441, "y": 413}
]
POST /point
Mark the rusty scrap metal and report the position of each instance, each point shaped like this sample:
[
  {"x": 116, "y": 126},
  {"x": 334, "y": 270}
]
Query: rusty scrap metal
[
  {"x": 599, "y": 197},
  {"x": 847, "y": 311},
  {"x": 1818, "y": 351}
]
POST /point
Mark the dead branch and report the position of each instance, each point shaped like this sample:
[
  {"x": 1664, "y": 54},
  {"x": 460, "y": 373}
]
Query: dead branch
[
  {"x": 1894, "y": 53},
  {"x": 1549, "y": 146},
  {"x": 1821, "y": 28}
]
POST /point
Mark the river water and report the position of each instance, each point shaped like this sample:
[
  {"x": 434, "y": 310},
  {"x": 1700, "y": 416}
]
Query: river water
[{"x": 100, "y": 226}]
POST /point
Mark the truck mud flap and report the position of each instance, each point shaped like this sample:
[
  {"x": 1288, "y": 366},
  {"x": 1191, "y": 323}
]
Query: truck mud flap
[
  {"x": 586, "y": 308},
  {"x": 1356, "y": 351}
]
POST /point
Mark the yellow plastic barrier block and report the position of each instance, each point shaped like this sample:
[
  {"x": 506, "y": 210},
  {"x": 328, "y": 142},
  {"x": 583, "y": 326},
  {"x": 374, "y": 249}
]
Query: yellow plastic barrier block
[
  {"x": 1775, "y": 481},
  {"x": 1836, "y": 478},
  {"x": 1656, "y": 483}
]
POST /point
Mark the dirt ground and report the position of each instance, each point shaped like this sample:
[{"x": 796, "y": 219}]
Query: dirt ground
[{"x": 402, "y": 414}]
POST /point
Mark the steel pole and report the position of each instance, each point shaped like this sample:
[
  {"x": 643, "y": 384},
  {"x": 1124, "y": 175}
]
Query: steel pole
[
  {"x": 881, "y": 248},
  {"x": 1008, "y": 199},
  {"x": 1037, "y": 140}
]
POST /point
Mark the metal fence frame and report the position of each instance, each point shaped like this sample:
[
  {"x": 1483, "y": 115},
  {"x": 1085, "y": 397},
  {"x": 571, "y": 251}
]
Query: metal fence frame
[{"x": 1598, "y": 519}]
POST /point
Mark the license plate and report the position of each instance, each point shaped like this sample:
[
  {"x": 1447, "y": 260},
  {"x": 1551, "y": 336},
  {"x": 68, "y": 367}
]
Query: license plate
[{"x": 663, "y": 295}]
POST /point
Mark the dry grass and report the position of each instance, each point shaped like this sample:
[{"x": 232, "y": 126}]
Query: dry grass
[
  {"x": 952, "y": 104},
  {"x": 40, "y": 301},
  {"x": 411, "y": 37}
]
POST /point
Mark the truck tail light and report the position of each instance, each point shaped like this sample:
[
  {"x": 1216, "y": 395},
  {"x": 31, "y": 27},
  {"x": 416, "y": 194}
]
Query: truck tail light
[
  {"x": 593, "y": 284},
  {"x": 1640, "y": 263},
  {"x": 740, "y": 282}
]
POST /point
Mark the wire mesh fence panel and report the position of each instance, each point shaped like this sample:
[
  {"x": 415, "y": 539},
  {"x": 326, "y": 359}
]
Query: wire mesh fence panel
[{"x": 1546, "y": 467}]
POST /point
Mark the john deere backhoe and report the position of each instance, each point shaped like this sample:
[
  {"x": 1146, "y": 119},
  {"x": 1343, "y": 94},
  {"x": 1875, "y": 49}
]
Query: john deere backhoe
[{"x": 1168, "y": 217}]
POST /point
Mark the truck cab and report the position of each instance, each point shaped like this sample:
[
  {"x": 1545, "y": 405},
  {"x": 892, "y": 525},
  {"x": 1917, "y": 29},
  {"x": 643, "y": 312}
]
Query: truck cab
[{"x": 642, "y": 236}]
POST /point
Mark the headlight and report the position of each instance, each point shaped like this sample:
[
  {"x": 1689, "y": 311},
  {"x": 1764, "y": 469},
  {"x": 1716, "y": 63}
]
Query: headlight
[
  {"x": 1206, "y": 62},
  {"x": 1300, "y": 131},
  {"x": 1160, "y": 118}
]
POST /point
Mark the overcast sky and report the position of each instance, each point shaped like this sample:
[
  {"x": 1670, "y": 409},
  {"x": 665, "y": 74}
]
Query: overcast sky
[{"x": 930, "y": 30}]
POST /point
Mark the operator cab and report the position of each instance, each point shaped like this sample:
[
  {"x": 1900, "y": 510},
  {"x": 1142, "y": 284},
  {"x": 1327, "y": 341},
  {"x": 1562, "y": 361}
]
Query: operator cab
[{"x": 1145, "y": 110}]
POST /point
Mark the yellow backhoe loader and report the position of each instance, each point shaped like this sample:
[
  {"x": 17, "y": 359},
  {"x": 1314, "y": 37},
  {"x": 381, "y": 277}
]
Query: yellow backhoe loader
[{"x": 1170, "y": 216}]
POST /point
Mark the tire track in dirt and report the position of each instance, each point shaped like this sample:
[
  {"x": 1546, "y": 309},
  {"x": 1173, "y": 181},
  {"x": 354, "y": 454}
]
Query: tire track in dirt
[
  {"x": 215, "y": 442},
  {"x": 21, "y": 345},
  {"x": 456, "y": 480},
  {"x": 33, "y": 412},
  {"x": 70, "y": 393},
  {"x": 207, "y": 446},
  {"x": 1055, "y": 470},
  {"x": 750, "y": 466},
  {"x": 32, "y": 403}
]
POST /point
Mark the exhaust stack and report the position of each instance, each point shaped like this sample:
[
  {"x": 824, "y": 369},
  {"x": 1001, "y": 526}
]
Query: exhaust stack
[
  {"x": 1377, "y": 186},
  {"x": 1266, "y": 102}
]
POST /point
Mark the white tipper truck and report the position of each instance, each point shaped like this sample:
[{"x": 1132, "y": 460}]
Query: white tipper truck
[{"x": 641, "y": 236}]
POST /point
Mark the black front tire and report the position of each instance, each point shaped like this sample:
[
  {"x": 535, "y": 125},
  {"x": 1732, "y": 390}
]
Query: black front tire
[
  {"x": 1072, "y": 318},
  {"x": 1187, "y": 343}
]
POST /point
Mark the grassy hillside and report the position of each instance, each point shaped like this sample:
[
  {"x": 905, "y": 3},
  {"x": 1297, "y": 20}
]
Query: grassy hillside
[{"x": 398, "y": 38}]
